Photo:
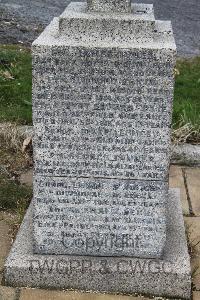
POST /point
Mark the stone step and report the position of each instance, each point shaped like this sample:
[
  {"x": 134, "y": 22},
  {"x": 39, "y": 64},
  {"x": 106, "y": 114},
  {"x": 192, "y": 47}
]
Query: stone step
[
  {"x": 109, "y": 6},
  {"x": 76, "y": 22}
]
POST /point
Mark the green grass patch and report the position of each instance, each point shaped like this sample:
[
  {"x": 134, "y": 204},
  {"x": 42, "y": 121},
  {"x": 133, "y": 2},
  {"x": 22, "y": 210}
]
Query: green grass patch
[
  {"x": 14, "y": 199},
  {"x": 13, "y": 196},
  {"x": 15, "y": 84},
  {"x": 15, "y": 90},
  {"x": 187, "y": 94}
]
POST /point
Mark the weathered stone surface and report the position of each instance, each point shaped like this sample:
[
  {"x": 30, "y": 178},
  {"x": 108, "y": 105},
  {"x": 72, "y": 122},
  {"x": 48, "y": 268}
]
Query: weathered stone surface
[
  {"x": 193, "y": 184},
  {"x": 102, "y": 103},
  {"x": 186, "y": 154},
  {"x": 35, "y": 294},
  {"x": 109, "y": 5},
  {"x": 176, "y": 180},
  {"x": 105, "y": 126},
  {"x": 120, "y": 31},
  {"x": 101, "y": 84},
  {"x": 99, "y": 216},
  {"x": 137, "y": 26},
  {"x": 113, "y": 274}
]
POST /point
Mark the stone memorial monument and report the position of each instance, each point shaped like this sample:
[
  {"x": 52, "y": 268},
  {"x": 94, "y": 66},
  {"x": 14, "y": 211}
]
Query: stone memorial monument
[{"x": 103, "y": 217}]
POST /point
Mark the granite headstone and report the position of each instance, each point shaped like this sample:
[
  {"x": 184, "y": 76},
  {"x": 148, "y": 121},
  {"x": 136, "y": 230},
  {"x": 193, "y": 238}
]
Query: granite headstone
[
  {"x": 102, "y": 102},
  {"x": 102, "y": 212}
]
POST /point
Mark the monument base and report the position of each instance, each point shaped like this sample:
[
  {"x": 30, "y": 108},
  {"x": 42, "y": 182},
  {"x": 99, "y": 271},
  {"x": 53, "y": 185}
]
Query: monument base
[{"x": 169, "y": 276}]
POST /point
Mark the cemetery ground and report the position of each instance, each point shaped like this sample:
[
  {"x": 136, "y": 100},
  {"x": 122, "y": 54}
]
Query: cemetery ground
[{"x": 16, "y": 162}]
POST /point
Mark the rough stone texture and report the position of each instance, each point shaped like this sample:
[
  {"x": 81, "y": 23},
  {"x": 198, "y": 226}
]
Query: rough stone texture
[
  {"x": 125, "y": 275},
  {"x": 79, "y": 25},
  {"x": 183, "y": 154},
  {"x": 32, "y": 294},
  {"x": 186, "y": 154},
  {"x": 102, "y": 104},
  {"x": 101, "y": 84},
  {"x": 176, "y": 180},
  {"x": 193, "y": 185},
  {"x": 109, "y": 5},
  {"x": 7, "y": 293},
  {"x": 99, "y": 217},
  {"x": 23, "y": 20}
]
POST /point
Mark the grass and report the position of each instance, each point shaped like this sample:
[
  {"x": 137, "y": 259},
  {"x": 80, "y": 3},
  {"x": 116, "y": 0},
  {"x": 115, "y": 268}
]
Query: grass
[
  {"x": 187, "y": 93},
  {"x": 13, "y": 162},
  {"x": 15, "y": 92},
  {"x": 13, "y": 196},
  {"x": 14, "y": 201},
  {"x": 12, "y": 159},
  {"x": 186, "y": 111},
  {"x": 15, "y": 84}
]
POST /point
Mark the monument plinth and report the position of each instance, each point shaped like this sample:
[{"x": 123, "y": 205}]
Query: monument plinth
[
  {"x": 123, "y": 6},
  {"x": 101, "y": 146},
  {"x": 102, "y": 105}
]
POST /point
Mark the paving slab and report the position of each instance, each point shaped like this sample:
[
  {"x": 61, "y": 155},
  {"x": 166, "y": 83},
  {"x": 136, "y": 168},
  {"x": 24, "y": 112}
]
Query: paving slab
[
  {"x": 193, "y": 231},
  {"x": 176, "y": 180},
  {"x": 196, "y": 295},
  {"x": 7, "y": 293},
  {"x": 193, "y": 185},
  {"x": 5, "y": 242},
  {"x": 35, "y": 294},
  {"x": 195, "y": 265}
]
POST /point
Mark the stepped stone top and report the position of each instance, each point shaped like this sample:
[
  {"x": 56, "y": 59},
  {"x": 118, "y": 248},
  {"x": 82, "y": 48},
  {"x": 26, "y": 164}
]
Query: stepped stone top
[
  {"x": 123, "y": 6},
  {"x": 103, "y": 23}
]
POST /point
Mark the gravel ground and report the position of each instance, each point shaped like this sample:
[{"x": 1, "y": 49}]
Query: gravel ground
[{"x": 21, "y": 21}]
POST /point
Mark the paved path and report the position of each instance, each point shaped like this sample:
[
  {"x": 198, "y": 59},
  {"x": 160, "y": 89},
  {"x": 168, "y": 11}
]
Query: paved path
[
  {"x": 187, "y": 179},
  {"x": 23, "y": 20}
]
